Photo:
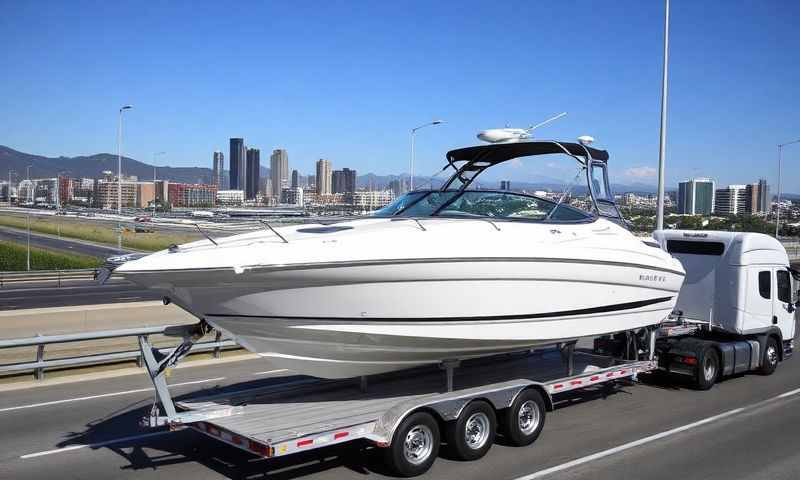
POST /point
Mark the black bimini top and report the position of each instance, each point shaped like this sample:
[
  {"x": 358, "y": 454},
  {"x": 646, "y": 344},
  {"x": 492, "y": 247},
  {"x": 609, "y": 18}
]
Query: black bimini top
[{"x": 500, "y": 152}]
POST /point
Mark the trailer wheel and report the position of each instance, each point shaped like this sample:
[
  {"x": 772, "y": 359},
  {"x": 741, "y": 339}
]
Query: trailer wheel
[
  {"x": 415, "y": 445},
  {"x": 471, "y": 435},
  {"x": 524, "y": 419},
  {"x": 707, "y": 369},
  {"x": 769, "y": 359}
]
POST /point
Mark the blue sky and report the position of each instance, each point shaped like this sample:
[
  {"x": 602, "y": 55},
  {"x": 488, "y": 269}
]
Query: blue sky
[{"x": 347, "y": 80}]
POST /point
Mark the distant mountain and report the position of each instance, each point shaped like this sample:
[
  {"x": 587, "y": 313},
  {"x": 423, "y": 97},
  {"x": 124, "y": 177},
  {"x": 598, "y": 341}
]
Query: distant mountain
[{"x": 93, "y": 166}]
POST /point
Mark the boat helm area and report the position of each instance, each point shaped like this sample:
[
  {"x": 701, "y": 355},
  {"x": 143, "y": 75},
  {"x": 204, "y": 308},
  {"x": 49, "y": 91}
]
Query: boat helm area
[{"x": 454, "y": 199}]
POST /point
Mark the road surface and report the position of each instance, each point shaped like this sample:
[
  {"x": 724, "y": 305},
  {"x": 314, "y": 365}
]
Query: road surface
[
  {"x": 61, "y": 244},
  {"x": 744, "y": 428},
  {"x": 74, "y": 293}
]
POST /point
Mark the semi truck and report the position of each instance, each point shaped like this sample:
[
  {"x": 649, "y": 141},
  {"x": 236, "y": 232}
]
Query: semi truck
[{"x": 735, "y": 314}]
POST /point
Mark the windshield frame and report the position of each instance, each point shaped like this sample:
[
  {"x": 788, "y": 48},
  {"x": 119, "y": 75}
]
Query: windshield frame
[{"x": 438, "y": 213}]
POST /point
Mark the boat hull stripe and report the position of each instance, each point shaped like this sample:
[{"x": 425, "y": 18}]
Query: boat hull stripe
[{"x": 563, "y": 313}]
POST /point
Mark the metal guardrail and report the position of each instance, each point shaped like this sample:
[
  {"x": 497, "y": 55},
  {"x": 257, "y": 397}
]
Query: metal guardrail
[
  {"x": 40, "y": 364},
  {"x": 9, "y": 278}
]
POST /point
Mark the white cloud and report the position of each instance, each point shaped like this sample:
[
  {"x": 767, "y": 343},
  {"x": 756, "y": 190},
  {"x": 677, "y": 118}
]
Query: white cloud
[{"x": 641, "y": 172}]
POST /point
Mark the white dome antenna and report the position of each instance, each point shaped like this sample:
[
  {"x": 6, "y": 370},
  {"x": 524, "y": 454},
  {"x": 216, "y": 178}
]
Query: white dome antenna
[{"x": 586, "y": 140}]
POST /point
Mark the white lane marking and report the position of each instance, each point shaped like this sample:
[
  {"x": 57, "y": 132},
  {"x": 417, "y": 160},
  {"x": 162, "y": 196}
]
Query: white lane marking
[
  {"x": 651, "y": 438},
  {"x": 103, "y": 395},
  {"x": 93, "y": 445},
  {"x": 271, "y": 371}
]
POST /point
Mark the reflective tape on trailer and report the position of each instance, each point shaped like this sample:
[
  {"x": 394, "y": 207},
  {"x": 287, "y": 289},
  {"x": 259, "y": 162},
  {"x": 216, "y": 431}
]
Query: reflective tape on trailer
[
  {"x": 591, "y": 378},
  {"x": 323, "y": 439}
]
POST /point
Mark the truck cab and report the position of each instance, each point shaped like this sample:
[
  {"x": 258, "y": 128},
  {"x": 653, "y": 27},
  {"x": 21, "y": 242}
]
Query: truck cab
[{"x": 741, "y": 288}]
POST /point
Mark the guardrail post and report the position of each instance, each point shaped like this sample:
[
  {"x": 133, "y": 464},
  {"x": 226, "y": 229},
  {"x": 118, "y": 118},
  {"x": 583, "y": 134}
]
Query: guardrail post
[
  {"x": 140, "y": 359},
  {"x": 39, "y": 372},
  {"x": 59, "y": 279},
  {"x": 217, "y": 348}
]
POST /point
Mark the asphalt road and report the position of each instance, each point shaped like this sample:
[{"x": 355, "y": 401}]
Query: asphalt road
[
  {"x": 83, "y": 292},
  {"x": 52, "y": 242},
  {"x": 741, "y": 429}
]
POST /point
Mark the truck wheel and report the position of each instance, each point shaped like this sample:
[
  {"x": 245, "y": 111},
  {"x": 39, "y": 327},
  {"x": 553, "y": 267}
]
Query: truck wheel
[
  {"x": 707, "y": 369},
  {"x": 471, "y": 435},
  {"x": 769, "y": 360},
  {"x": 524, "y": 419},
  {"x": 415, "y": 445}
]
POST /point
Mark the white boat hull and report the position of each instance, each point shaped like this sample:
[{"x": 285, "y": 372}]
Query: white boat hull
[{"x": 359, "y": 318}]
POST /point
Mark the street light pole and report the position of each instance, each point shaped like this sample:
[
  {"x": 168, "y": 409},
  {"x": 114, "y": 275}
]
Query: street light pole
[
  {"x": 154, "y": 180},
  {"x": 29, "y": 242},
  {"x": 778, "y": 206},
  {"x": 662, "y": 141},
  {"x": 119, "y": 159},
  {"x": 413, "y": 153}
]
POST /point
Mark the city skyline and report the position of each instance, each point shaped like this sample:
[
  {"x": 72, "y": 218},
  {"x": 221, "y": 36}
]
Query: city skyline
[{"x": 714, "y": 69}]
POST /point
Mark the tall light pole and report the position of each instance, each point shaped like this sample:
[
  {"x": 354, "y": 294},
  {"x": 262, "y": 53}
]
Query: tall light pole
[
  {"x": 154, "y": 180},
  {"x": 9, "y": 186},
  {"x": 778, "y": 207},
  {"x": 662, "y": 141},
  {"x": 413, "y": 153},
  {"x": 119, "y": 159}
]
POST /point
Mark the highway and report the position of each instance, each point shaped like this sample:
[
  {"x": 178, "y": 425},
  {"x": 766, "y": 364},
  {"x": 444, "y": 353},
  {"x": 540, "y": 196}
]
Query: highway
[
  {"x": 744, "y": 428},
  {"x": 62, "y": 244},
  {"x": 74, "y": 293}
]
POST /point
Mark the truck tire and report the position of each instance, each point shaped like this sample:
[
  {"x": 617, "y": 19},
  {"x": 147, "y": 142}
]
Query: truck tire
[
  {"x": 524, "y": 419},
  {"x": 707, "y": 369},
  {"x": 415, "y": 445},
  {"x": 472, "y": 434},
  {"x": 769, "y": 359}
]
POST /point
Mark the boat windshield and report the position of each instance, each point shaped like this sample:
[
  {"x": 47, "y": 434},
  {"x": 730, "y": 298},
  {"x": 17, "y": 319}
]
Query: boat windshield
[{"x": 482, "y": 203}]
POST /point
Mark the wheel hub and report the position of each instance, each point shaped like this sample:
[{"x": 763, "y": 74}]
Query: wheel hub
[
  {"x": 477, "y": 430},
  {"x": 528, "y": 417},
  {"x": 418, "y": 444}
]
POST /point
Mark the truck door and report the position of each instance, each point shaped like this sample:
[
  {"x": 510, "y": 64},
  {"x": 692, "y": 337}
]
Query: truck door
[
  {"x": 759, "y": 306},
  {"x": 783, "y": 306}
]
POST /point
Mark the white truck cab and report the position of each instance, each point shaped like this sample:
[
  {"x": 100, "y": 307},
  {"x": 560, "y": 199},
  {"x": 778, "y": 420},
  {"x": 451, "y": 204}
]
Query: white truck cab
[{"x": 742, "y": 286}]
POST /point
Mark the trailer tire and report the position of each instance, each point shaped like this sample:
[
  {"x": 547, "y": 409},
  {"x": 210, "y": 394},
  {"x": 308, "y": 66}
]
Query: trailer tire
[
  {"x": 524, "y": 419},
  {"x": 472, "y": 434},
  {"x": 769, "y": 359},
  {"x": 707, "y": 370},
  {"x": 415, "y": 445}
]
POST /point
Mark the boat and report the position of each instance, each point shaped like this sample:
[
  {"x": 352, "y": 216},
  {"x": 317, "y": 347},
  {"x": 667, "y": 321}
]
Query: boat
[{"x": 441, "y": 274}]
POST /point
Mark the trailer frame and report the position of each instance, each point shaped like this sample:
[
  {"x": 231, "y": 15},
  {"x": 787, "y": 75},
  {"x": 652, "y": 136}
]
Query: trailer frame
[{"x": 242, "y": 418}]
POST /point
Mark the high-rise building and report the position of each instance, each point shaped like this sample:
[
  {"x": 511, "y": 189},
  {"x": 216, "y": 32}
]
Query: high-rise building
[
  {"x": 324, "y": 178},
  {"x": 237, "y": 164},
  {"x": 343, "y": 181},
  {"x": 696, "y": 196},
  {"x": 398, "y": 186},
  {"x": 279, "y": 171},
  {"x": 505, "y": 184},
  {"x": 763, "y": 197},
  {"x": 218, "y": 168},
  {"x": 253, "y": 173},
  {"x": 295, "y": 179},
  {"x": 731, "y": 200}
]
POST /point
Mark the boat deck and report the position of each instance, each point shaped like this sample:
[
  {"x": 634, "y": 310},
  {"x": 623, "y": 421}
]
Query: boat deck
[{"x": 302, "y": 406}]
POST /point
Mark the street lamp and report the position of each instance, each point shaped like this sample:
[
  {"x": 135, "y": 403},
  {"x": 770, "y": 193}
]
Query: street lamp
[
  {"x": 413, "y": 135},
  {"x": 662, "y": 141},
  {"x": 778, "y": 207},
  {"x": 119, "y": 174},
  {"x": 119, "y": 159},
  {"x": 9, "y": 185},
  {"x": 154, "y": 180}
]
